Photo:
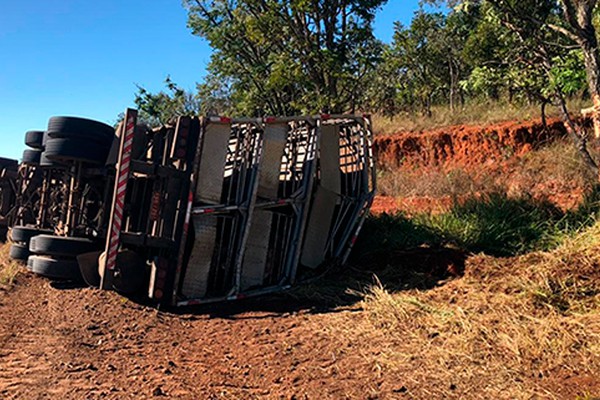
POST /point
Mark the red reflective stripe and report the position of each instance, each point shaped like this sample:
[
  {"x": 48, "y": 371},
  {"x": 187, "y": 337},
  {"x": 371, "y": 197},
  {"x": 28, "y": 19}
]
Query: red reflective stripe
[{"x": 111, "y": 257}]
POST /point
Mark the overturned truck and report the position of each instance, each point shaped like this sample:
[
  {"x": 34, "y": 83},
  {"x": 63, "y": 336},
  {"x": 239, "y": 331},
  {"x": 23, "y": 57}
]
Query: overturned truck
[{"x": 212, "y": 209}]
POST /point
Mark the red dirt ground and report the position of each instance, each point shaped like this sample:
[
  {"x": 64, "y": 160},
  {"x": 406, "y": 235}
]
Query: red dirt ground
[
  {"x": 87, "y": 344},
  {"x": 74, "y": 343}
]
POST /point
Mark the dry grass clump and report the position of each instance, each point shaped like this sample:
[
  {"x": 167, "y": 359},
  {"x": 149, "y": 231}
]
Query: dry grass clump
[
  {"x": 8, "y": 268},
  {"x": 474, "y": 113},
  {"x": 514, "y": 328},
  {"x": 433, "y": 182},
  {"x": 555, "y": 169}
]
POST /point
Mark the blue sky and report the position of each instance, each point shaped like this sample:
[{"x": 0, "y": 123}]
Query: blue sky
[{"x": 84, "y": 58}]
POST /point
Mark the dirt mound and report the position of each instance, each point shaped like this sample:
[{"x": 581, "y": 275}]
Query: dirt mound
[{"x": 465, "y": 146}]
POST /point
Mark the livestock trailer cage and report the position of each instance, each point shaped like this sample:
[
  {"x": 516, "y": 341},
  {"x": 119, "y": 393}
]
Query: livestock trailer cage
[{"x": 209, "y": 209}]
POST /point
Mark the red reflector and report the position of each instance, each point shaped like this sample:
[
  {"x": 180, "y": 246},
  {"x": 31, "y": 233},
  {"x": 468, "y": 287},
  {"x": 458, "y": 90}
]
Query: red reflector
[
  {"x": 270, "y": 120},
  {"x": 158, "y": 294},
  {"x": 225, "y": 120},
  {"x": 325, "y": 117}
]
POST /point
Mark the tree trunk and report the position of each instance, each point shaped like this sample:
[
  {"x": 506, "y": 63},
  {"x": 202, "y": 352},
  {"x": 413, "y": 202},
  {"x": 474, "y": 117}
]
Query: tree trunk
[
  {"x": 579, "y": 15},
  {"x": 579, "y": 136}
]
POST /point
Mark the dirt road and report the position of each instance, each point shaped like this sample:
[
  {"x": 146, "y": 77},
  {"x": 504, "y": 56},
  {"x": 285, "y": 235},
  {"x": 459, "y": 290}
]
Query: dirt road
[{"x": 81, "y": 343}]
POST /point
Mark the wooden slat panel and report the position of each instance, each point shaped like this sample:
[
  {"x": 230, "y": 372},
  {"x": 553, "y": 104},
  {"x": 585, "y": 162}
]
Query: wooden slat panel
[
  {"x": 195, "y": 282},
  {"x": 212, "y": 163},
  {"x": 330, "y": 158},
  {"x": 317, "y": 230},
  {"x": 270, "y": 165},
  {"x": 257, "y": 249}
]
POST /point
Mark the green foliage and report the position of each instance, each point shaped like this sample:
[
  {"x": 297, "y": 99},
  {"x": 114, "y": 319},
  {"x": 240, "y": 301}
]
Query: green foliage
[
  {"x": 162, "y": 107},
  {"x": 286, "y": 57},
  {"x": 494, "y": 224},
  {"x": 568, "y": 73}
]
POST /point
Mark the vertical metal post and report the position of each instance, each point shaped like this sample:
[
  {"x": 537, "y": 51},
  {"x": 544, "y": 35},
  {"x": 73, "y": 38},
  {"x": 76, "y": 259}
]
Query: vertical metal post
[{"x": 120, "y": 190}]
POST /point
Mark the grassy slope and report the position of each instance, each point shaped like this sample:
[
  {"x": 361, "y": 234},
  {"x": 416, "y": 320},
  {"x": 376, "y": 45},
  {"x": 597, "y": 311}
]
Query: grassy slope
[
  {"x": 519, "y": 328},
  {"x": 475, "y": 113}
]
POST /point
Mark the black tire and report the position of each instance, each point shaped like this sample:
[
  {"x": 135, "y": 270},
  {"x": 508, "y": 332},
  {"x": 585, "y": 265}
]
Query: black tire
[
  {"x": 75, "y": 149},
  {"x": 56, "y": 269},
  {"x": 46, "y": 162},
  {"x": 23, "y": 234},
  {"x": 8, "y": 163},
  {"x": 35, "y": 139},
  {"x": 30, "y": 262},
  {"x": 61, "y": 246},
  {"x": 32, "y": 157},
  {"x": 81, "y": 128},
  {"x": 3, "y": 232},
  {"x": 18, "y": 252}
]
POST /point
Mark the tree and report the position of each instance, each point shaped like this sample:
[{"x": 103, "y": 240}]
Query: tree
[
  {"x": 548, "y": 39},
  {"x": 160, "y": 108},
  {"x": 288, "y": 56}
]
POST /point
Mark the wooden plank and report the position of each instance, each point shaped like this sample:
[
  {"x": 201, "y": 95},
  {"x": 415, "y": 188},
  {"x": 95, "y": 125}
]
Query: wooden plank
[
  {"x": 257, "y": 250},
  {"x": 330, "y": 158},
  {"x": 270, "y": 164},
  {"x": 319, "y": 225},
  {"x": 195, "y": 281},
  {"x": 212, "y": 163}
]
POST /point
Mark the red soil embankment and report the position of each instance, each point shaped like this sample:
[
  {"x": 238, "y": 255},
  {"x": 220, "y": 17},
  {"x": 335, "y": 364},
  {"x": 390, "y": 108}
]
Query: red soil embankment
[{"x": 465, "y": 146}]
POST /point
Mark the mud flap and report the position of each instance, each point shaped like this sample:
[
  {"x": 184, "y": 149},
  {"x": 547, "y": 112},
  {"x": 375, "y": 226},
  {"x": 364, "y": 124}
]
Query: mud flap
[
  {"x": 212, "y": 162},
  {"x": 195, "y": 281},
  {"x": 88, "y": 265}
]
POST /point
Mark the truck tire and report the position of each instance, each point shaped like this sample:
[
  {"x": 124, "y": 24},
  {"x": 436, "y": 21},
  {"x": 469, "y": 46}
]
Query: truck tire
[
  {"x": 30, "y": 262},
  {"x": 35, "y": 139},
  {"x": 81, "y": 128},
  {"x": 75, "y": 149},
  {"x": 32, "y": 157},
  {"x": 24, "y": 234},
  {"x": 3, "y": 232},
  {"x": 46, "y": 162},
  {"x": 18, "y": 252},
  {"x": 55, "y": 268},
  {"x": 61, "y": 246}
]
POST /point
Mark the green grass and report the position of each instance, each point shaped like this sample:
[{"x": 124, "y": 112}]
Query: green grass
[{"x": 494, "y": 224}]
